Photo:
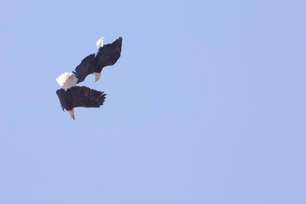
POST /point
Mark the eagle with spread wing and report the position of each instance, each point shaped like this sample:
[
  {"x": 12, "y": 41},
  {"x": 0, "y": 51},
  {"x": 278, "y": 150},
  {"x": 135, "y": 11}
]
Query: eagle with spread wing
[
  {"x": 72, "y": 96},
  {"x": 94, "y": 63},
  {"x": 80, "y": 96}
]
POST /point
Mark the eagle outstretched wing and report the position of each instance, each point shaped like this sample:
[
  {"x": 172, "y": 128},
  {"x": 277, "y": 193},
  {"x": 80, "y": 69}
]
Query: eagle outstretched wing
[
  {"x": 86, "y": 67},
  {"x": 72, "y": 96},
  {"x": 86, "y": 97},
  {"x": 80, "y": 96},
  {"x": 108, "y": 54}
]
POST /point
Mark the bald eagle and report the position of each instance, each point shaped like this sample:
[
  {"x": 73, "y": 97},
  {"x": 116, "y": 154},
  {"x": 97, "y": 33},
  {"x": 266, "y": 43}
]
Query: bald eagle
[
  {"x": 71, "y": 96},
  {"x": 94, "y": 63}
]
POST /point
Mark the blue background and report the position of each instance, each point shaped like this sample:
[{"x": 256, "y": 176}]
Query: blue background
[{"x": 205, "y": 105}]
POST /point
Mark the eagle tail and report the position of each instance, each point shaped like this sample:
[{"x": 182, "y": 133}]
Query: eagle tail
[{"x": 100, "y": 42}]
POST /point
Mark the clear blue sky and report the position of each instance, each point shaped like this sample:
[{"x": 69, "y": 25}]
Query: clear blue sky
[{"x": 206, "y": 104}]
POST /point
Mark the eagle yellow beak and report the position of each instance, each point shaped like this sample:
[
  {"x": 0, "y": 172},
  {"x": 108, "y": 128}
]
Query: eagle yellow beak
[
  {"x": 71, "y": 112},
  {"x": 97, "y": 76}
]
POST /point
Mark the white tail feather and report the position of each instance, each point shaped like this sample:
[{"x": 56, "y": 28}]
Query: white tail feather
[
  {"x": 67, "y": 80},
  {"x": 100, "y": 43}
]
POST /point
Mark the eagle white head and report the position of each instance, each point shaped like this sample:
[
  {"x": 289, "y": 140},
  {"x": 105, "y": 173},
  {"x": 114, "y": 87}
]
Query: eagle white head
[
  {"x": 100, "y": 43},
  {"x": 67, "y": 80}
]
